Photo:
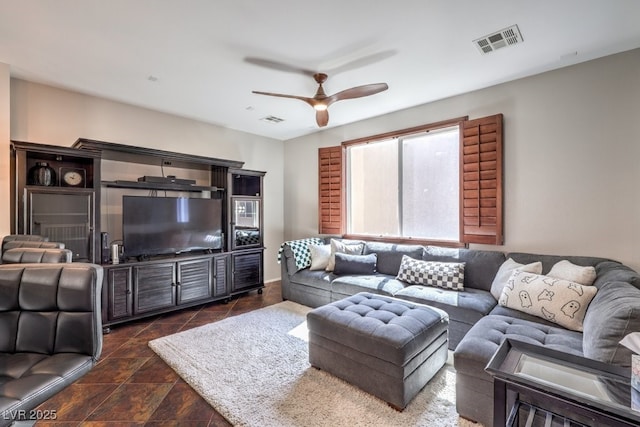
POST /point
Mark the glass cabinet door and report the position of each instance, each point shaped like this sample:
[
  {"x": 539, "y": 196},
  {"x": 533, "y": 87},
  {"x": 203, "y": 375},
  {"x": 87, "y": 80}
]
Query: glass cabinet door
[
  {"x": 63, "y": 217},
  {"x": 246, "y": 222}
]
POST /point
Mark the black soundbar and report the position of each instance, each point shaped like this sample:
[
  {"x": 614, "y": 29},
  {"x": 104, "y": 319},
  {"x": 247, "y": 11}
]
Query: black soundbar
[{"x": 166, "y": 180}]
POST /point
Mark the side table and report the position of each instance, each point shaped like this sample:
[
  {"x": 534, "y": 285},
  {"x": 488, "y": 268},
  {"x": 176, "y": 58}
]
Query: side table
[{"x": 535, "y": 385}]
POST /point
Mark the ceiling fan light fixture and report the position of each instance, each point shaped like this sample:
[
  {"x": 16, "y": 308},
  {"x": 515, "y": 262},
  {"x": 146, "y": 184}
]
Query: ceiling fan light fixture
[{"x": 321, "y": 102}]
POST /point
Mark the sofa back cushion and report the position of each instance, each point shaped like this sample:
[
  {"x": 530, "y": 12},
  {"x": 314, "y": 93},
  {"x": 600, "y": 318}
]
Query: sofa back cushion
[
  {"x": 613, "y": 271},
  {"x": 613, "y": 313},
  {"x": 390, "y": 255},
  {"x": 480, "y": 266},
  {"x": 548, "y": 261}
]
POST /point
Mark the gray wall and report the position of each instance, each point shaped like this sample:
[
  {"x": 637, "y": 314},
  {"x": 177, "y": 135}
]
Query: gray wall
[{"x": 572, "y": 147}]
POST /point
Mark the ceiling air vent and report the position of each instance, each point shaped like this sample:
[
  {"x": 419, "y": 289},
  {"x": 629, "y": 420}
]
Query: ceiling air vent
[
  {"x": 503, "y": 38},
  {"x": 272, "y": 119}
]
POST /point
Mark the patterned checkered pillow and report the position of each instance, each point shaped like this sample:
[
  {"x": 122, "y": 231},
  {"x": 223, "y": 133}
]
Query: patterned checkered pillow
[
  {"x": 300, "y": 249},
  {"x": 449, "y": 275}
]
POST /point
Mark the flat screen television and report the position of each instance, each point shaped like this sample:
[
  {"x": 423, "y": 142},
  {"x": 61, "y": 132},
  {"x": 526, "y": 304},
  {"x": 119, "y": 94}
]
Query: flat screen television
[{"x": 170, "y": 225}]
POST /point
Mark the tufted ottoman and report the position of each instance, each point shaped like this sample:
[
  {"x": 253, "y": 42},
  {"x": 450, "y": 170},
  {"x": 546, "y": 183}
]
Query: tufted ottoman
[{"x": 387, "y": 347}]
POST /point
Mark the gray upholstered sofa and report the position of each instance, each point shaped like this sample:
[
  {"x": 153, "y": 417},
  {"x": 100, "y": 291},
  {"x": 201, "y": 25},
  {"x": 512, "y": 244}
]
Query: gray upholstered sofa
[
  {"x": 50, "y": 332},
  {"x": 477, "y": 323}
]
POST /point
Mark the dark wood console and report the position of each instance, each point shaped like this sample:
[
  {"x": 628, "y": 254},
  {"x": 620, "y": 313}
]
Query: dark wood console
[{"x": 140, "y": 288}]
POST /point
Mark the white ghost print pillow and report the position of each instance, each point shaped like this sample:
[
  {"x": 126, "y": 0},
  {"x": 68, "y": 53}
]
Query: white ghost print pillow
[{"x": 556, "y": 300}]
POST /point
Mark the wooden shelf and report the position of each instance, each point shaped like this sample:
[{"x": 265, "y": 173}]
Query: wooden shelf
[{"x": 159, "y": 186}]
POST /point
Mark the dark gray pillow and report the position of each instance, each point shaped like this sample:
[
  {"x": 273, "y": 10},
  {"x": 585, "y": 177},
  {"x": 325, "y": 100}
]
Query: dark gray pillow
[{"x": 355, "y": 264}]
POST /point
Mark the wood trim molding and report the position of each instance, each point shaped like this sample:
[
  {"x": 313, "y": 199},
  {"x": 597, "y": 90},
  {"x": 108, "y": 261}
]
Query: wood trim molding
[{"x": 407, "y": 131}]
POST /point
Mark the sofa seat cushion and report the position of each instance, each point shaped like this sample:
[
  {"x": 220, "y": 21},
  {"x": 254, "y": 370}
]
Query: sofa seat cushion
[
  {"x": 315, "y": 279},
  {"x": 376, "y": 283},
  {"x": 516, "y": 314},
  {"x": 25, "y": 376},
  {"x": 483, "y": 339},
  {"x": 466, "y": 306}
]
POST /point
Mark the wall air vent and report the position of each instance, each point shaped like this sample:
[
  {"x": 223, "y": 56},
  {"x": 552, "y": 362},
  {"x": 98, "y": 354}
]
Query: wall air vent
[
  {"x": 503, "y": 38},
  {"x": 272, "y": 119}
]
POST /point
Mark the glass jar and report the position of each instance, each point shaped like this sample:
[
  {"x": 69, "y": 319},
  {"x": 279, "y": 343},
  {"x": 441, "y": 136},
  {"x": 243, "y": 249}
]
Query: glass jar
[{"x": 42, "y": 174}]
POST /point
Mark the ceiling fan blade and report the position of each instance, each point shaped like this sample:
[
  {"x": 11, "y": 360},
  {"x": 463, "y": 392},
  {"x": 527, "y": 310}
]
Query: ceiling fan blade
[
  {"x": 309, "y": 101},
  {"x": 361, "y": 62},
  {"x": 280, "y": 66},
  {"x": 358, "y": 92},
  {"x": 322, "y": 117}
]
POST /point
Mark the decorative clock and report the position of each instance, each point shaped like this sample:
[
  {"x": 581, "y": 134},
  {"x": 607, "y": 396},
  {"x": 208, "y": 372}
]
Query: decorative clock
[{"x": 73, "y": 177}]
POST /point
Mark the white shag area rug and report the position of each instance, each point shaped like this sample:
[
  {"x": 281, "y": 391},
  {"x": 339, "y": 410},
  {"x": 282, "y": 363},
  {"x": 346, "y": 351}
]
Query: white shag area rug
[{"x": 254, "y": 370}]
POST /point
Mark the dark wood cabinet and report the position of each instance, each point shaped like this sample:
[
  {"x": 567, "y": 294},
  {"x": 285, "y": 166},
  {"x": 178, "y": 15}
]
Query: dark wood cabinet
[
  {"x": 54, "y": 194},
  {"x": 58, "y": 191},
  {"x": 247, "y": 270},
  {"x": 139, "y": 289}
]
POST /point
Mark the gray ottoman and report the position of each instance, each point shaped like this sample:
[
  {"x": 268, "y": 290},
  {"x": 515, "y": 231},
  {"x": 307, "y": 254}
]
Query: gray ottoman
[{"x": 387, "y": 347}]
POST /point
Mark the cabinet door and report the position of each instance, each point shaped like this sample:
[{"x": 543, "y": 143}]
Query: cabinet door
[
  {"x": 220, "y": 275},
  {"x": 154, "y": 286},
  {"x": 63, "y": 217},
  {"x": 119, "y": 294},
  {"x": 194, "y": 280},
  {"x": 247, "y": 270},
  {"x": 246, "y": 222}
]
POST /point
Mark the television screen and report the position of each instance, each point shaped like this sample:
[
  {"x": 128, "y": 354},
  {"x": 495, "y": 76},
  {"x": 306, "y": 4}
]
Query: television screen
[{"x": 170, "y": 225}]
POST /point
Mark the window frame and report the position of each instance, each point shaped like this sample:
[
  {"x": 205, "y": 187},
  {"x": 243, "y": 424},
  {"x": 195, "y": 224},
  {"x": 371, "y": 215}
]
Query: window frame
[{"x": 491, "y": 234}]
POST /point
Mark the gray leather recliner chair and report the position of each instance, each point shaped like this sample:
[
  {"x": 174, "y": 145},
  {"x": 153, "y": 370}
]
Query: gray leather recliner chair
[
  {"x": 36, "y": 255},
  {"x": 16, "y": 241},
  {"x": 50, "y": 331}
]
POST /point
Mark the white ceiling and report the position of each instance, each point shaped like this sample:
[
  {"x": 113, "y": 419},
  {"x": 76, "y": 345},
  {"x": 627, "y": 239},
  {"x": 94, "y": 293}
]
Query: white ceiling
[{"x": 197, "y": 50}]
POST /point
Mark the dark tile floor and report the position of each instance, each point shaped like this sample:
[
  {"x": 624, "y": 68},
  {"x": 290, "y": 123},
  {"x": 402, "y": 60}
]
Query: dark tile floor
[{"x": 132, "y": 386}]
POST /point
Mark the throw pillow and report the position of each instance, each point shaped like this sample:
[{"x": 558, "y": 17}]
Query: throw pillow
[
  {"x": 355, "y": 264},
  {"x": 505, "y": 271},
  {"x": 345, "y": 248},
  {"x": 559, "y": 301},
  {"x": 576, "y": 273},
  {"x": 319, "y": 256},
  {"x": 449, "y": 275}
]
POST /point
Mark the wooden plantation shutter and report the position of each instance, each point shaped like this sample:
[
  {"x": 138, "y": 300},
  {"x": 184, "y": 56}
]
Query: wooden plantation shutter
[
  {"x": 481, "y": 180},
  {"x": 330, "y": 206}
]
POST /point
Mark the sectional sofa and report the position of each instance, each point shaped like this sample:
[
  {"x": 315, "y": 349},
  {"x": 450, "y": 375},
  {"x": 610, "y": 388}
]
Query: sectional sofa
[{"x": 607, "y": 310}]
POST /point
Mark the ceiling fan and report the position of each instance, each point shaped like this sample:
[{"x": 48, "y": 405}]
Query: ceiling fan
[{"x": 321, "y": 101}]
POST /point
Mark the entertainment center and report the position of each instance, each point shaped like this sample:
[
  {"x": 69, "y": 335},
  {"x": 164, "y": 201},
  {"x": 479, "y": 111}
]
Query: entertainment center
[{"x": 165, "y": 240}]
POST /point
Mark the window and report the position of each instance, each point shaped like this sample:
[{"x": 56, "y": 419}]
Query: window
[
  {"x": 415, "y": 178},
  {"x": 438, "y": 183}
]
